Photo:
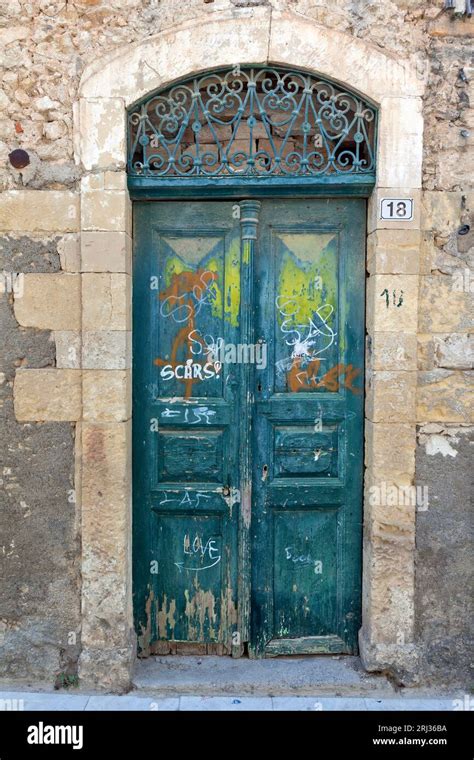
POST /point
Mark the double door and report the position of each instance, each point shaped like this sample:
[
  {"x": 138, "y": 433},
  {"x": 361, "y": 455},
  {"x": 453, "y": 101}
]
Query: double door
[{"x": 248, "y": 336}]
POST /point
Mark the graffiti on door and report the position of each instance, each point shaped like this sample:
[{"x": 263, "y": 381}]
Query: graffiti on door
[{"x": 181, "y": 301}]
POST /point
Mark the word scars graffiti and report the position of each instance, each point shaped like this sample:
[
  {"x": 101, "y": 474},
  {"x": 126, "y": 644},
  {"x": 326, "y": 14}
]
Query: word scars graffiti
[
  {"x": 181, "y": 302},
  {"x": 190, "y": 370}
]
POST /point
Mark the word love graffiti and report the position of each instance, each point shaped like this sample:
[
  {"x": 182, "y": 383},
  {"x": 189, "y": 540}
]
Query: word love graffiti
[{"x": 201, "y": 550}]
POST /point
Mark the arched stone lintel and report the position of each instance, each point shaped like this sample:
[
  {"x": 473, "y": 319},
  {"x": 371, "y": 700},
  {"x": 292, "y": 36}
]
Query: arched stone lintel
[{"x": 250, "y": 35}]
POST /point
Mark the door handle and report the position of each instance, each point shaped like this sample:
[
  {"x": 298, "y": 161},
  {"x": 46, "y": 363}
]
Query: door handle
[{"x": 225, "y": 491}]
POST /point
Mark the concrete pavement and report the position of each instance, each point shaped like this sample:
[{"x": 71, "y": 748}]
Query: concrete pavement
[{"x": 65, "y": 701}]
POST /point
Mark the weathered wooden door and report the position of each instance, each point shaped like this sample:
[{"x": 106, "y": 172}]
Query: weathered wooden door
[
  {"x": 187, "y": 274},
  {"x": 248, "y": 352},
  {"x": 308, "y": 427}
]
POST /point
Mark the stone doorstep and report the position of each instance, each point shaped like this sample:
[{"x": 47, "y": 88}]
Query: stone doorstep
[{"x": 286, "y": 676}]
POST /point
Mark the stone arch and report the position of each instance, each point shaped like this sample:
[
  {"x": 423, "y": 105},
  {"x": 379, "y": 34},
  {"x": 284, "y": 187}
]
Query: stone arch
[{"x": 110, "y": 85}]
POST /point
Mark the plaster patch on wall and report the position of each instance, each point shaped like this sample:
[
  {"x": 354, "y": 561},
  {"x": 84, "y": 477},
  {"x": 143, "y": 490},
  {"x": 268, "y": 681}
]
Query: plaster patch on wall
[{"x": 440, "y": 444}]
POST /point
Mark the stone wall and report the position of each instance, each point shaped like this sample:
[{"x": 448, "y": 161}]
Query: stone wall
[
  {"x": 52, "y": 377},
  {"x": 40, "y": 625}
]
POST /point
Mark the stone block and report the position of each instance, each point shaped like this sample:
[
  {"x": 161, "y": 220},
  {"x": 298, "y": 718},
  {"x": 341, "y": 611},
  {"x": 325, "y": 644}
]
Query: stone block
[
  {"x": 115, "y": 180},
  {"x": 68, "y": 349},
  {"x": 390, "y": 451},
  {"x": 400, "y": 141},
  {"x": 392, "y": 303},
  {"x": 70, "y": 252},
  {"x": 441, "y": 211},
  {"x": 445, "y": 396},
  {"x": 393, "y": 251},
  {"x": 49, "y": 302},
  {"x": 106, "y": 668},
  {"x": 392, "y": 351},
  {"x": 443, "y": 308},
  {"x": 106, "y": 526},
  {"x": 388, "y": 571},
  {"x": 446, "y": 351},
  {"x": 106, "y": 252},
  {"x": 102, "y": 133},
  {"x": 106, "y": 395},
  {"x": 39, "y": 211},
  {"x": 106, "y": 488},
  {"x": 106, "y": 349},
  {"x": 107, "y": 210},
  {"x": 454, "y": 351},
  {"x": 47, "y": 395},
  {"x": 374, "y": 222},
  {"x": 222, "y": 132},
  {"x": 390, "y": 503},
  {"x": 106, "y": 301},
  {"x": 391, "y": 397}
]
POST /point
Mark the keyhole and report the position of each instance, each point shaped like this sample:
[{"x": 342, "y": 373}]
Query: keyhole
[
  {"x": 259, "y": 387},
  {"x": 264, "y": 472}
]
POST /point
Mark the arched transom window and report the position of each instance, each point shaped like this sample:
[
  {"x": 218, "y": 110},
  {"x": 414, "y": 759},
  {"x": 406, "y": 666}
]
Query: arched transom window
[{"x": 252, "y": 122}]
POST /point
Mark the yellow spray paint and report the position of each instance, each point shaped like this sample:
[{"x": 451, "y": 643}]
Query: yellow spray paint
[
  {"x": 307, "y": 279},
  {"x": 232, "y": 284}
]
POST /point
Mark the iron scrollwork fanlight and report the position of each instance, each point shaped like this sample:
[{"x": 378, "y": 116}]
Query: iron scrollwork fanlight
[{"x": 252, "y": 122}]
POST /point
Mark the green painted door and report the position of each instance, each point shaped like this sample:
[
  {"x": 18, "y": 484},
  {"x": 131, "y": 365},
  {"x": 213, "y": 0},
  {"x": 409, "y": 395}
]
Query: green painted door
[
  {"x": 248, "y": 424},
  {"x": 308, "y": 427}
]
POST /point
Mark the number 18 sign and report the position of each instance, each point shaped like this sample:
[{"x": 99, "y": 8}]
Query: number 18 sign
[{"x": 392, "y": 209}]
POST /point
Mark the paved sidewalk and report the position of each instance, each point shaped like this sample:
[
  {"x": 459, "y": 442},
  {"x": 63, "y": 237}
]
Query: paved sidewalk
[{"x": 42, "y": 701}]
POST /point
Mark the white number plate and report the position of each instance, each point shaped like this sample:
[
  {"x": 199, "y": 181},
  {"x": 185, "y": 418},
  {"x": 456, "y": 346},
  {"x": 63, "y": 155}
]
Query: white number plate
[{"x": 392, "y": 209}]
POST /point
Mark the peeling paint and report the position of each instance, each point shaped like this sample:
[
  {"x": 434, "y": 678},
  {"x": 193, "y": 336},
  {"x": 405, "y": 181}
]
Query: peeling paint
[
  {"x": 246, "y": 506},
  {"x": 200, "y": 608},
  {"x": 166, "y": 616},
  {"x": 144, "y": 637}
]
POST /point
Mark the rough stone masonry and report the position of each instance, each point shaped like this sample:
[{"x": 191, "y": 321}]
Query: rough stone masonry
[{"x": 54, "y": 381}]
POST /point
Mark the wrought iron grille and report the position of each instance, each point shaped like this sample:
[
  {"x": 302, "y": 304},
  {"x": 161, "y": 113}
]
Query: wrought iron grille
[{"x": 257, "y": 122}]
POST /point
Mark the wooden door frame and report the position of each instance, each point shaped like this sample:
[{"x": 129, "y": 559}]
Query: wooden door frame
[{"x": 103, "y": 449}]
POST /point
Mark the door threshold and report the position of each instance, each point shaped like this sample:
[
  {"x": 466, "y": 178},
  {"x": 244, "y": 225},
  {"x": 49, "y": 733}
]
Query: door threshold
[{"x": 306, "y": 675}]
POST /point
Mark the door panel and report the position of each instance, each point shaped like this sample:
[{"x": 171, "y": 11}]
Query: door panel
[
  {"x": 308, "y": 428},
  {"x": 243, "y": 472},
  {"x": 186, "y": 440}
]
